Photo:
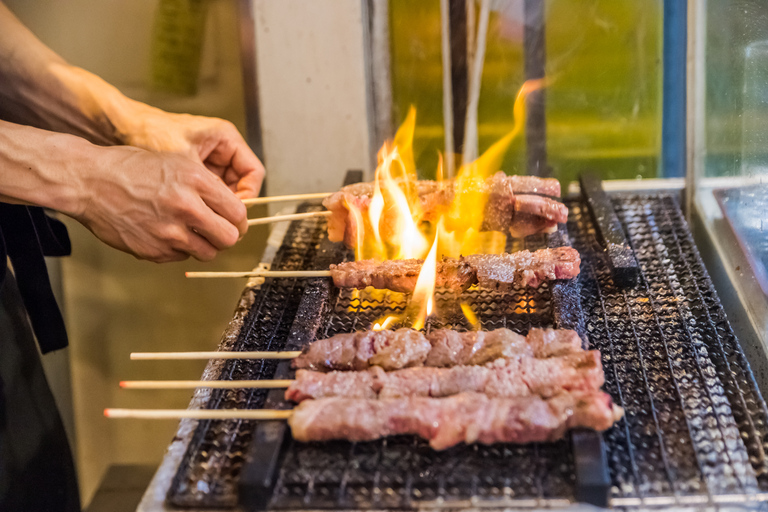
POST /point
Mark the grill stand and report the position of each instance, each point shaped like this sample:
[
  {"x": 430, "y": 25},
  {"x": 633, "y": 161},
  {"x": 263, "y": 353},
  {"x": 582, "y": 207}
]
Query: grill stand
[{"x": 692, "y": 436}]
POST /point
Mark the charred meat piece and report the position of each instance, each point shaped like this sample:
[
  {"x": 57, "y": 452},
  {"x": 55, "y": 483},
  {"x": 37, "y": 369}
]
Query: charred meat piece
[
  {"x": 524, "y": 268},
  {"x": 359, "y": 350},
  {"x": 493, "y": 271},
  {"x": 515, "y": 204},
  {"x": 402, "y": 348},
  {"x": 518, "y": 376},
  {"x": 446, "y": 422},
  {"x": 452, "y": 348}
]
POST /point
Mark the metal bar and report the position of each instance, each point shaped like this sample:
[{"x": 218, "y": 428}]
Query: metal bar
[
  {"x": 673, "y": 103},
  {"x": 696, "y": 90},
  {"x": 445, "y": 47},
  {"x": 459, "y": 68},
  {"x": 535, "y": 57},
  {"x": 381, "y": 71},
  {"x": 609, "y": 231}
]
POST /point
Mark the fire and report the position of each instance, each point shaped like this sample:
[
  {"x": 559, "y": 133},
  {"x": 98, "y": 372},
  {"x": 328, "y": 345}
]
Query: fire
[
  {"x": 470, "y": 315},
  {"x": 423, "y": 294},
  {"x": 393, "y": 224},
  {"x": 384, "y": 323}
]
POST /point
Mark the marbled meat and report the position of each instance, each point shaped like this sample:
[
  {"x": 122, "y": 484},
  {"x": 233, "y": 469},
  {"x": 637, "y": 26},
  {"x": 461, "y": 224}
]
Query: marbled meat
[
  {"x": 404, "y": 348},
  {"x": 493, "y": 271},
  {"x": 503, "y": 378},
  {"x": 446, "y": 422}
]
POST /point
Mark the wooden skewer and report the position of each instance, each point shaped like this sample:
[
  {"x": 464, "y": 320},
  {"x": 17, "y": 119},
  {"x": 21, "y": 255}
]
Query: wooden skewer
[
  {"x": 161, "y": 356},
  {"x": 292, "y": 197},
  {"x": 293, "y": 216},
  {"x": 216, "y": 384},
  {"x": 201, "y": 414},
  {"x": 262, "y": 273}
]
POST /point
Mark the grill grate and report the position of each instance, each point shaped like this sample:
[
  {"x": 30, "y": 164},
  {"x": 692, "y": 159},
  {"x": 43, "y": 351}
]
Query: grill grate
[{"x": 695, "y": 425}]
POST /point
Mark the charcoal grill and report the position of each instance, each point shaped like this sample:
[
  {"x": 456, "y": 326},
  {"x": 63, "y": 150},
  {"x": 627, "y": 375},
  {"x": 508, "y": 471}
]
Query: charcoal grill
[{"x": 694, "y": 432}]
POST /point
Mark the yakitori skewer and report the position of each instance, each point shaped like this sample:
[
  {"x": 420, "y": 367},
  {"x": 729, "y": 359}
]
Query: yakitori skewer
[
  {"x": 262, "y": 273},
  {"x": 491, "y": 271},
  {"x": 291, "y": 197},
  {"x": 445, "y": 422},
  {"x": 281, "y": 218},
  {"x": 201, "y": 414},
  {"x": 501, "y": 378},
  {"x": 216, "y": 384},
  {"x": 162, "y": 356}
]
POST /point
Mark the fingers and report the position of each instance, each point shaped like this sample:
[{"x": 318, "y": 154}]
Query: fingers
[
  {"x": 224, "y": 203},
  {"x": 251, "y": 172},
  {"x": 200, "y": 248},
  {"x": 215, "y": 229},
  {"x": 235, "y": 163}
]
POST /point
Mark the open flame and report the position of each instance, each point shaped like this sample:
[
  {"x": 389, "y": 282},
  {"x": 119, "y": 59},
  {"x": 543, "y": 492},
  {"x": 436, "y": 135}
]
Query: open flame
[
  {"x": 470, "y": 316},
  {"x": 424, "y": 294},
  {"x": 394, "y": 225}
]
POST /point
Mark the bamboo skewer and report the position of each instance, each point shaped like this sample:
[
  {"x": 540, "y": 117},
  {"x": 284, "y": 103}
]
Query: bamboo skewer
[
  {"x": 216, "y": 384},
  {"x": 163, "y": 356},
  {"x": 262, "y": 273},
  {"x": 281, "y": 218},
  {"x": 200, "y": 414},
  {"x": 291, "y": 197}
]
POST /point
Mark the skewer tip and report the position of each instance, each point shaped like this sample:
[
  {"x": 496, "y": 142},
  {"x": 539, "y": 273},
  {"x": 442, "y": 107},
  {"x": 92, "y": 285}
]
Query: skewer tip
[
  {"x": 121, "y": 383},
  {"x": 107, "y": 413}
]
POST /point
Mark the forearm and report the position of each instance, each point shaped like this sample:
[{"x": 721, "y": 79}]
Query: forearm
[
  {"x": 38, "y": 88},
  {"x": 44, "y": 168}
]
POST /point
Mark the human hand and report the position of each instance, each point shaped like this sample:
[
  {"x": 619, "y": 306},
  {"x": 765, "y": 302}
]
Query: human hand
[
  {"x": 213, "y": 142},
  {"x": 159, "y": 206}
]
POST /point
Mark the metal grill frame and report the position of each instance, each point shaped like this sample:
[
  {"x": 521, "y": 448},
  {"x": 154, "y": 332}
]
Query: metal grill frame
[{"x": 731, "y": 365}]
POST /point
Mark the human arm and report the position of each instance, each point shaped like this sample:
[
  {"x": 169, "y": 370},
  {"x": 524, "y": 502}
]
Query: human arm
[
  {"x": 158, "y": 206},
  {"x": 38, "y": 88}
]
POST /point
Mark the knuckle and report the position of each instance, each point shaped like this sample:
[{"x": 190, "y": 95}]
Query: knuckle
[
  {"x": 176, "y": 236},
  {"x": 207, "y": 254}
]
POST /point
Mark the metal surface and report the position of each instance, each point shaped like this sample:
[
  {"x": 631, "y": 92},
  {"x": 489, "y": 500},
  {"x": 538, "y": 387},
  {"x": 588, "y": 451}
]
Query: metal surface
[
  {"x": 609, "y": 231},
  {"x": 535, "y": 58},
  {"x": 673, "y": 149},
  {"x": 695, "y": 426}
]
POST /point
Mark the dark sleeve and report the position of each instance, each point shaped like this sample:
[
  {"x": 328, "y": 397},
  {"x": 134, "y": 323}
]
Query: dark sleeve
[{"x": 27, "y": 235}]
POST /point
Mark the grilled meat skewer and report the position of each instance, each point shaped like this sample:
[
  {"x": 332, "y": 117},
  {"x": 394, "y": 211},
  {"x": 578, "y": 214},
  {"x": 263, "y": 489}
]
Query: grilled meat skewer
[
  {"x": 446, "y": 422},
  {"x": 403, "y": 348},
  {"x": 512, "y": 205},
  {"x": 494, "y": 271},
  {"x": 503, "y": 378}
]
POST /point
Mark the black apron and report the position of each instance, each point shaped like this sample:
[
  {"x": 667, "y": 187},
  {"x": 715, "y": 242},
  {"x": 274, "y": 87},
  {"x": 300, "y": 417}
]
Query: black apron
[{"x": 36, "y": 468}]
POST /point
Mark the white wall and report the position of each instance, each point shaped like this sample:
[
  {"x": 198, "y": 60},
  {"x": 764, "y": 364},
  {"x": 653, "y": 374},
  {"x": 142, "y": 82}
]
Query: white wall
[{"x": 312, "y": 85}]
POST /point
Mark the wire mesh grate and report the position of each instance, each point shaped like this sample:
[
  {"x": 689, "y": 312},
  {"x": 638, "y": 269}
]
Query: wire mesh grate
[{"x": 695, "y": 425}]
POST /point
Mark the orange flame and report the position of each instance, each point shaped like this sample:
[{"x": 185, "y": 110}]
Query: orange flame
[
  {"x": 470, "y": 315},
  {"x": 423, "y": 294},
  {"x": 394, "y": 226},
  {"x": 386, "y": 322}
]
